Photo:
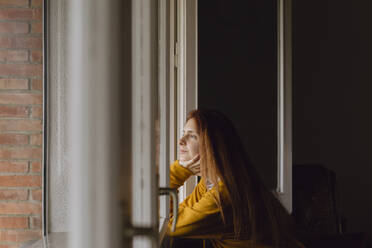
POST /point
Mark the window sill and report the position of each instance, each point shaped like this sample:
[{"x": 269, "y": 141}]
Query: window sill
[
  {"x": 60, "y": 239},
  {"x": 53, "y": 240}
]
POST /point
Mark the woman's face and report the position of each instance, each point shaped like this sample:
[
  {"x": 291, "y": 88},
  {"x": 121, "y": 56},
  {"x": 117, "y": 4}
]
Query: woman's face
[{"x": 189, "y": 142}]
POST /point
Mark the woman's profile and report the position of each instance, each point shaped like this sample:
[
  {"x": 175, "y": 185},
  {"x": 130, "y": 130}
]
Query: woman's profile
[{"x": 230, "y": 206}]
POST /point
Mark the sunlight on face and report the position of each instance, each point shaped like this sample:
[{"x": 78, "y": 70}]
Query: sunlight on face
[{"x": 189, "y": 142}]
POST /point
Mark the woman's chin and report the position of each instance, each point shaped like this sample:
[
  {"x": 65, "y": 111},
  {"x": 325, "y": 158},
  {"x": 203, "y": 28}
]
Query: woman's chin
[{"x": 184, "y": 158}]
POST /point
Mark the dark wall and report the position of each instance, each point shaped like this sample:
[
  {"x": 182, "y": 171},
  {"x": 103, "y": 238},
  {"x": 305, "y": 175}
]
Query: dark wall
[
  {"x": 237, "y": 73},
  {"x": 332, "y": 47},
  {"x": 332, "y": 80}
]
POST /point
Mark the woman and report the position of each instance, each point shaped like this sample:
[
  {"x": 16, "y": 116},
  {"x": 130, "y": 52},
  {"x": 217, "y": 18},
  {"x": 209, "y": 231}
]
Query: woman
[{"x": 230, "y": 206}]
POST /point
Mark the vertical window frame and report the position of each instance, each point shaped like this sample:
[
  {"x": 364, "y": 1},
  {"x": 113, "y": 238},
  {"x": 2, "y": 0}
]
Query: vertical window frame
[
  {"x": 187, "y": 76},
  {"x": 284, "y": 167}
]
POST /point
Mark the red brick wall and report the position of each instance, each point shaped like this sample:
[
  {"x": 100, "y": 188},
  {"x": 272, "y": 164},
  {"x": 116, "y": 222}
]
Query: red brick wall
[{"x": 20, "y": 121}]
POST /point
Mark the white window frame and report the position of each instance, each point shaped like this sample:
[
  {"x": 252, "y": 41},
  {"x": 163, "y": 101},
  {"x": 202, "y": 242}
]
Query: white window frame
[
  {"x": 187, "y": 68},
  {"x": 186, "y": 54},
  {"x": 145, "y": 70},
  {"x": 177, "y": 85},
  {"x": 57, "y": 172},
  {"x": 284, "y": 183},
  {"x": 167, "y": 104},
  {"x": 99, "y": 121},
  {"x": 85, "y": 101},
  {"x": 164, "y": 103}
]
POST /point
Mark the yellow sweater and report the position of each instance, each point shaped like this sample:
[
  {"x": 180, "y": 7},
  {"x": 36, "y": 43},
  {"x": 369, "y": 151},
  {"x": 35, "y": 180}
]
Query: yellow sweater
[{"x": 199, "y": 216}]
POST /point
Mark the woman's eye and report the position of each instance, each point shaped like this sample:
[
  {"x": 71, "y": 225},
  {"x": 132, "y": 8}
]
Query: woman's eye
[{"x": 193, "y": 136}]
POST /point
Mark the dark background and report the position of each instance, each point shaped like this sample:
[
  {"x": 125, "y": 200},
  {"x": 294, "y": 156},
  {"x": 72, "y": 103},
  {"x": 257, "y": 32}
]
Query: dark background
[
  {"x": 237, "y": 73},
  {"x": 332, "y": 87},
  {"x": 332, "y": 70}
]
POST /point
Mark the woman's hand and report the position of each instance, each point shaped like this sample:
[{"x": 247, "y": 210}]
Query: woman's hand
[{"x": 193, "y": 165}]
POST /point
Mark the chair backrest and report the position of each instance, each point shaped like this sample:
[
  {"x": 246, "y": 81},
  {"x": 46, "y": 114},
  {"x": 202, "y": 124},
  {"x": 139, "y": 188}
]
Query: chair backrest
[{"x": 315, "y": 205}]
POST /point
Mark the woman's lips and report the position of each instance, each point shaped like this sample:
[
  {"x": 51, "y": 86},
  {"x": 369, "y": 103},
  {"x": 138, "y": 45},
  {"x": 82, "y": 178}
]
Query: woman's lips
[{"x": 183, "y": 151}]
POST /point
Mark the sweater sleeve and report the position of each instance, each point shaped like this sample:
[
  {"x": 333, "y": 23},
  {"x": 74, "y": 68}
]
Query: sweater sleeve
[
  {"x": 178, "y": 175},
  {"x": 198, "y": 215}
]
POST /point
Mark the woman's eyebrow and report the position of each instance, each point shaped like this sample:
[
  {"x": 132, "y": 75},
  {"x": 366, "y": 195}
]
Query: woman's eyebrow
[{"x": 189, "y": 131}]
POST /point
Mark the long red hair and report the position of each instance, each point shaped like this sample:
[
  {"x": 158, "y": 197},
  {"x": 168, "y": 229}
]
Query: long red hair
[{"x": 255, "y": 210}]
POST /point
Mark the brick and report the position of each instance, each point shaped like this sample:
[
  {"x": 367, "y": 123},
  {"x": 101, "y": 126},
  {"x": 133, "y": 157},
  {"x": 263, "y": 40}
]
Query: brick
[
  {"x": 20, "y": 125},
  {"x": 19, "y": 235},
  {"x": 20, "y": 181},
  {"x": 10, "y": 245},
  {"x": 36, "y": 222},
  {"x": 13, "y": 139},
  {"x": 26, "y": 70},
  {"x": 13, "y": 222},
  {"x": 20, "y": 21},
  {"x": 17, "y": 14},
  {"x": 13, "y": 167},
  {"x": 14, "y": 27},
  {"x": 37, "y": 84},
  {"x": 36, "y": 139},
  {"x": 13, "y": 194},
  {"x": 13, "y": 56},
  {"x": 20, "y": 153},
  {"x": 19, "y": 3},
  {"x": 21, "y": 98},
  {"x": 20, "y": 42},
  {"x": 13, "y": 84},
  {"x": 36, "y": 27},
  {"x": 13, "y": 111},
  {"x": 36, "y": 3},
  {"x": 36, "y": 112},
  {"x": 35, "y": 166},
  {"x": 38, "y": 14},
  {"x": 36, "y": 56},
  {"x": 20, "y": 208},
  {"x": 37, "y": 194}
]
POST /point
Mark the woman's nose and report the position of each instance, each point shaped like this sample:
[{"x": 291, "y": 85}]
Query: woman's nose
[{"x": 182, "y": 140}]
